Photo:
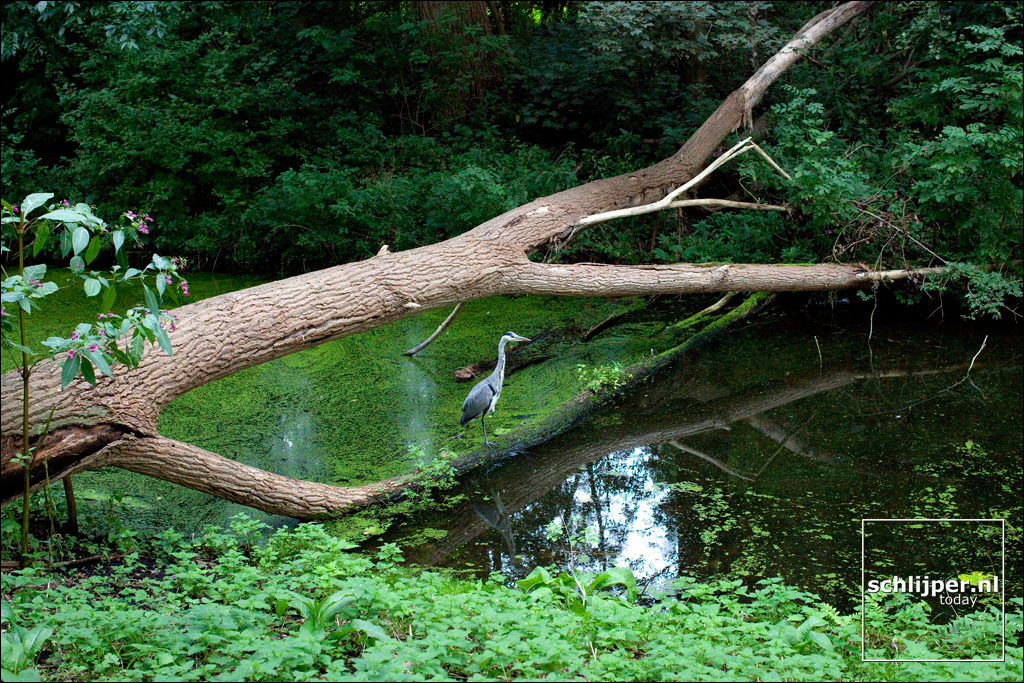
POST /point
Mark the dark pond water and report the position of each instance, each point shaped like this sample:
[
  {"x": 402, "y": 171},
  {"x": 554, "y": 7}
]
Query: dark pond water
[{"x": 759, "y": 456}]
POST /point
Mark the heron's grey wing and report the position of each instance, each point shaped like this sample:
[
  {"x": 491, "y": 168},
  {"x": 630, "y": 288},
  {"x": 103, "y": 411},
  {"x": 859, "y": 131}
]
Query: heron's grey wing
[{"x": 477, "y": 402}]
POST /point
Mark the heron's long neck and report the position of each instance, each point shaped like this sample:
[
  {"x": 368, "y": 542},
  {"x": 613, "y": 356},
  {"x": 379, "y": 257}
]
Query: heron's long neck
[{"x": 499, "y": 370}]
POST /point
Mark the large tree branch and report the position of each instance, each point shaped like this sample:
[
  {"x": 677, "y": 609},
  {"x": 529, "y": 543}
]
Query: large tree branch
[{"x": 594, "y": 279}]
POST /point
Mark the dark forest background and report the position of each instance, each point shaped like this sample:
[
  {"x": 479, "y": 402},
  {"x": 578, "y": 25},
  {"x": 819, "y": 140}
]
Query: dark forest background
[{"x": 285, "y": 136}]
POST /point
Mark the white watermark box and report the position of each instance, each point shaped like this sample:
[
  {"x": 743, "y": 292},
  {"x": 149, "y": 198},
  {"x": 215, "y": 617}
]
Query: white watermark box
[{"x": 955, "y": 591}]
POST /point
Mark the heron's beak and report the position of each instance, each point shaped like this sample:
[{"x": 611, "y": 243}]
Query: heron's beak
[{"x": 518, "y": 338}]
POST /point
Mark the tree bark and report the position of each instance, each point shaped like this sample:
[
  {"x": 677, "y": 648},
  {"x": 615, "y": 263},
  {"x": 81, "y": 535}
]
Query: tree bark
[{"x": 115, "y": 422}]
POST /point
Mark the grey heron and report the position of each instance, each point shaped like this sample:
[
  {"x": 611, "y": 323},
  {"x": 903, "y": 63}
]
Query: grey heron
[{"x": 484, "y": 395}]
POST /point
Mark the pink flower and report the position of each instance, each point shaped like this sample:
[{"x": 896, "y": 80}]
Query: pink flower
[
  {"x": 184, "y": 287},
  {"x": 93, "y": 347},
  {"x": 65, "y": 202},
  {"x": 3, "y": 311},
  {"x": 173, "y": 327},
  {"x": 148, "y": 219},
  {"x": 71, "y": 353},
  {"x": 130, "y": 214},
  {"x": 168, "y": 279},
  {"x": 103, "y": 334},
  {"x": 143, "y": 229},
  {"x": 14, "y": 209},
  {"x": 74, "y": 335}
]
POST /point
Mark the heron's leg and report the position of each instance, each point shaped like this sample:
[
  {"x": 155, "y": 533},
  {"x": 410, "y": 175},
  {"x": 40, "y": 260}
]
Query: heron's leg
[{"x": 485, "y": 431}]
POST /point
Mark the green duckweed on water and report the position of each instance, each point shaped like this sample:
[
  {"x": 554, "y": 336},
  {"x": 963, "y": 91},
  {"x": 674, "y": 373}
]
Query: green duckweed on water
[{"x": 356, "y": 411}]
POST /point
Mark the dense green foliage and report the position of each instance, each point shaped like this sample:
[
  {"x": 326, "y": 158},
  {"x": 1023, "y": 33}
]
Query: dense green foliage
[
  {"x": 289, "y": 135},
  {"x": 299, "y": 606}
]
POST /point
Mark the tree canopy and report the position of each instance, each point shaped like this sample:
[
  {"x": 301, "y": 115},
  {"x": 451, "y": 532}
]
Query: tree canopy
[{"x": 283, "y": 136}]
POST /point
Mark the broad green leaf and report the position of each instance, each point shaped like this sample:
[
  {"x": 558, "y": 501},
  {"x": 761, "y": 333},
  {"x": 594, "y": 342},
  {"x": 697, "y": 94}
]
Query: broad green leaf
[
  {"x": 93, "y": 251},
  {"x": 37, "y": 272},
  {"x": 821, "y": 640},
  {"x": 163, "y": 340},
  {"x": 42, "y": 234},
  {"x": 369, "y": 628},
  {"x": 19, "y": 347},
  {"x": 118, "y": 238},
  {"x": 92, "y": 287},
  {"x": 69, "y": 370},
  {"x": 101, "y": 363},
  {"x": 137, "y": 347},
  {"x": 65, "y": 243},
  {"x": 77, "y": 264},
  {"x": 64, "y": 216},
  {"x": 109, "y": 296},
  {"x": 161, "y": 283},
  {"x": 151, "y": 301},
  {"x": 34, "y": 201},
  {"x": 88, "y": 373},
  {"x": 79, "y": 239}
]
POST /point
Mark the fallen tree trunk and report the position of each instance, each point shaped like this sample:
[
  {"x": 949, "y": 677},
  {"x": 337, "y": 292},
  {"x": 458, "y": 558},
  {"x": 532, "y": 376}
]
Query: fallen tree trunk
[{"x": 115, "y": 422}]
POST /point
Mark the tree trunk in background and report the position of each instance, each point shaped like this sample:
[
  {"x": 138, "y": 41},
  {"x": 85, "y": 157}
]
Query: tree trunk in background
[
  {"x": 115, "y": 422},
  {"x": 461, "y": 24}
]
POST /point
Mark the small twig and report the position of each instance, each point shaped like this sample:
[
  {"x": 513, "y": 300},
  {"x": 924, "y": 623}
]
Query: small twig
[
  {"x": 667, "y": 201},
  {"x": 714, "y": 461},
  {"x": 440, "y": 328},
  {"x": 728, "y": 203},
  {"x": 821, "y": 362}
]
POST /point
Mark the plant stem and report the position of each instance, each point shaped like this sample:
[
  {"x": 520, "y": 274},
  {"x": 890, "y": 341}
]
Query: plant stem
[
  {"x": 26, "y": 452},
  {"x": 69, "y": 494}
]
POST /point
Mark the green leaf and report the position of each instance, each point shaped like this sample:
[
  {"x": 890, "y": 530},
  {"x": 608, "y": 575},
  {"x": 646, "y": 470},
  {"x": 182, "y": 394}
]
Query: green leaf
[
  {"x": 69, "y": 370},
  {"x": 821, "y": 640},
  {"x": 93, "y": 251},
  {"x": 64, "y": 216},
  {"x": 41, "y": 236},
  {"x": 161, "y": 283},
  {"x": 88, "y": 372},
  {"x": 163, "y": 340},
  {"x": 19, "y": 347},
  {"x": 77, "y": 264},
  {"x": 109, "y": 296},
  {"x": 137, "y": 347},
  {"x": 79, "y": 239},
  {"x": 369, "y": 628},
  {"x": 118, "y": 238},
  {"x": 34, "y": 201},
  {"x": 101, "y": 362},
  {"x": 92, "y": 287},
  {"x": 151, "y": 301},
  {"x": 36, "y": 272}
]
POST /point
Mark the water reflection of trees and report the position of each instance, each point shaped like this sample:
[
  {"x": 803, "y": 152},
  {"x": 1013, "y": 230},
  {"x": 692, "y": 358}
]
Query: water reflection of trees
[{"x": 766, "y": 437}]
